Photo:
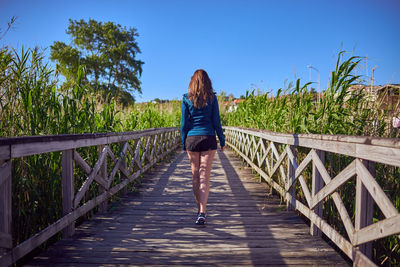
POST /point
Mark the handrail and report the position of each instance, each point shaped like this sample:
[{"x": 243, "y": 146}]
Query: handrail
[
  {"x": 138, "y": 151},
  {"x": 17, "y": 147},
  {"x": 274, "y": 157}
]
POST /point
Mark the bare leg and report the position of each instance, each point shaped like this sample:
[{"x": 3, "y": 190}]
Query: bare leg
[
  {"x": 206, "y": 160},
  {"x": 194, "y": 158}
]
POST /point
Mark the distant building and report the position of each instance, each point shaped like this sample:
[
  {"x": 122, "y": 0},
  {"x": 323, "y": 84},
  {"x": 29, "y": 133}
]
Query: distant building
[
  {"x": 232, "y": 105},
  {"x": 387, "y": 95}
]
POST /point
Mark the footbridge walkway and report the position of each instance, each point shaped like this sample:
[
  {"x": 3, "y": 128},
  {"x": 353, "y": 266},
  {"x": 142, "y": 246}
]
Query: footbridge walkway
[{"x": 276, "y": 199}]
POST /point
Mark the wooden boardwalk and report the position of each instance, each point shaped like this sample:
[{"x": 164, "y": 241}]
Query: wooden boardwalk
[{"x": 245, "y": 225}]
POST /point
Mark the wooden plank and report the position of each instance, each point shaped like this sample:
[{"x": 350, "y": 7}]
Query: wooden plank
[
  {"x": 375, "y": 190},
  {"x": 291, "y": 184},
  {"x": 335, "y": 183},
  {"x": 5, "y": 241},
  {"x": 265, "y": 176},
  {"x": 364, "y": 209},
  {"x": 76, "y": 137},
  {"x": 385, "y": 155},
  {"x": 267, "y": 160},
  {"x": 103, "y": 174},
  {"x": 304, "y": 164},
  {"x": 85, "y": 186},
  {"x": 87, "y": 169},
  {"x": 27, "y": 146},
  {"x": 289, "y": 138},
  {"x": 5, "y": 152},
  {"x": 276, "y": 154},
  {"x": 124, "y": 148},
  {"x": 110, "y": 153},
  {"x": 291, "y": 167},
  {"x": 154, "y": 148},
  {"x": 383, "y": 150},
  {"x": 316, "y": 185},
  {"x": 5, "y": 171},
  {"x": 262, "y": 155},
  {"x": 331, "y": 233},
  {"x": 344, "y": 215},
  {"x": 146, "y": 153},
  {"x": 5, "y": 204},
  {"x": 246, "y": 145},
  {"x": 136, "y": 157},
  {"x": 253, "y": 148},
  {"x": 120, "y": 163},
  {"x": 278, "y": 164},
  {"x": 381, "y": 229},
  {"x": 67, "y": 182},
  {"x": 305, "y": 189},
  {"x": 114, "y": 171},
  {"x": 361, "y": 260}
]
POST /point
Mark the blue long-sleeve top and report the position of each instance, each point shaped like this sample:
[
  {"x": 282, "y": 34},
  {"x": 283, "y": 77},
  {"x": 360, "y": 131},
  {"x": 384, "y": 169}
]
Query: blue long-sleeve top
[{"x": 204, "y": 121}]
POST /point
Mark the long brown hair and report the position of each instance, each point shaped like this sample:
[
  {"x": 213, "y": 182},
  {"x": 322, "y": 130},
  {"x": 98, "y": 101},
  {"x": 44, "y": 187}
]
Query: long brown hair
[{"x": 200, "y": 89}]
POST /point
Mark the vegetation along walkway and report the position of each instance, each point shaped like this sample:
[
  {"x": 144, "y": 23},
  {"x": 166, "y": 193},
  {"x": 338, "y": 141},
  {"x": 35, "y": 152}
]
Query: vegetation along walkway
[{"x": 245, "y": 225}]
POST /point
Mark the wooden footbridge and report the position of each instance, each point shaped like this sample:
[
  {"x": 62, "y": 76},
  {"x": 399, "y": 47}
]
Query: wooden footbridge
[{"x": 246, "y": 223}]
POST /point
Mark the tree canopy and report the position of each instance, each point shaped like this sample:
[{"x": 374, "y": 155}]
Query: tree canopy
[{"x": 108, "y": 52}]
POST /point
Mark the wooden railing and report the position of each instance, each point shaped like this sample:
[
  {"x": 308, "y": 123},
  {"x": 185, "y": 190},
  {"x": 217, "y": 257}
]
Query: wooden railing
[
  {"x": 138, "y": 151},
  {"x": 274, "y": 157}
]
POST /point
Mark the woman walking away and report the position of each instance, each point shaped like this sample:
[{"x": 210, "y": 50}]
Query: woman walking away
[{"x": 199, "y": 121}]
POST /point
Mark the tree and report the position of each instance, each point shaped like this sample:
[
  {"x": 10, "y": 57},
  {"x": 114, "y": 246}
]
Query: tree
[{"x": 108, "y": 52}]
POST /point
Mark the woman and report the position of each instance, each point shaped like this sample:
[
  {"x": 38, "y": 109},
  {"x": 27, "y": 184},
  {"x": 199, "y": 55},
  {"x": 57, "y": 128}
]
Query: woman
[{"x": 199, "y": 121}]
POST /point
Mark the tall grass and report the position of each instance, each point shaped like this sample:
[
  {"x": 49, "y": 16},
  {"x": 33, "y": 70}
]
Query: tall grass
[{"x": 296, "y": 109}]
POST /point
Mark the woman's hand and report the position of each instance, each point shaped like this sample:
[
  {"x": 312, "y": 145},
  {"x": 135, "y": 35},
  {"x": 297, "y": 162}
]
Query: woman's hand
[{"x": 222, "y": 148}]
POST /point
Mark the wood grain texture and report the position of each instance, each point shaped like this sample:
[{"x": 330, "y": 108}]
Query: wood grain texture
[
  {"x": 377, "y": 193},
  {"x": 383, "y": 150},
  {"x": 68, "y": 188},
  {"x": 5, "y": 205},
  {"x": 103, "y": 176},
  {"x": 31, "y": 145},
  {"x": 87, "y": 169},
  {"x": 5, "y": 152},
  {"x": 93, "y": 173},
  {"x": 364, "y": 209},
  {"x": 245, "y": 225},
  {"x": 316, "y": 184}
]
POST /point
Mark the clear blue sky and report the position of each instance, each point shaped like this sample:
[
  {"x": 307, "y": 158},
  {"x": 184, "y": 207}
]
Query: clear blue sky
[{"x": 242, "y": 44}]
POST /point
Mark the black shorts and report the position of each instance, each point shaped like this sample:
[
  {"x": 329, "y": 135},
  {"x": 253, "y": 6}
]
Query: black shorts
[{"x": 199, "y": 143}]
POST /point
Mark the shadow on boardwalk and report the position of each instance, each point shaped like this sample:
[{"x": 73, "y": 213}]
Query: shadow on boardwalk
[{"x": 245, "y": 226}]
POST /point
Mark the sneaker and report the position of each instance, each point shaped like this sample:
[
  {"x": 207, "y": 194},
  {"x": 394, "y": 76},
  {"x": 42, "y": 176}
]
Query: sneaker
[{"x": 201, "y": 219}]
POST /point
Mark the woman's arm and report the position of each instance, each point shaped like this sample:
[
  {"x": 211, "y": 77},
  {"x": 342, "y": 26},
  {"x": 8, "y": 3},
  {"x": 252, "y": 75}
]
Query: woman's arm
[
  {"x": 184, "y": 122},
  {"x": 216, "y": 119}
]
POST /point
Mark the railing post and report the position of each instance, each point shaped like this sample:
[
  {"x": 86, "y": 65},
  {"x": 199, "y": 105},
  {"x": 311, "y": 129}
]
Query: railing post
[
  {"x": 68, "y": 188},
  {"x": 5, "y": 206},
  {"x": 291, "y": 179},
  {"x": 124, "y": 190},
  {"x": 103, "y": 174},
  {"x": 364, "y": 208},
  {"x": 317, "y": 184}
]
